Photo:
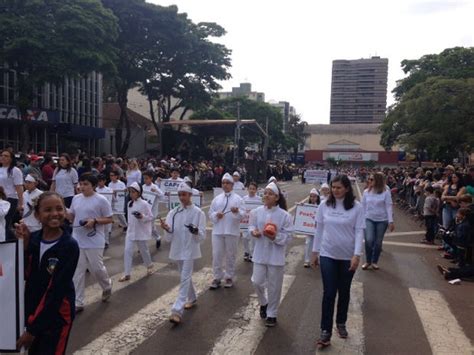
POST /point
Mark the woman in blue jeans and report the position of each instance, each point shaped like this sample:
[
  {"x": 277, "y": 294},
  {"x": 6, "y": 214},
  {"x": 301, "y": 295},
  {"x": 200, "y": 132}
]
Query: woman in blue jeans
[
  {"x": 377, "y": 204},
  {"x": 337, "y": 248}
]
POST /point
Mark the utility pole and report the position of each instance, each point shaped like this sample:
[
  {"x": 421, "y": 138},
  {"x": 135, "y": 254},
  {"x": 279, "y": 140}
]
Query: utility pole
[{"x": 237, "y": 136}]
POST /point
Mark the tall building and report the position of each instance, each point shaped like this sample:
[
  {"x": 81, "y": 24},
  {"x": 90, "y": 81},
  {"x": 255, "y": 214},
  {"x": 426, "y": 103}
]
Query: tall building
[
  {"x": 359, "y": 90},
  {"x": 286, "y": 110},
  {"x": 244, "y": 90}
]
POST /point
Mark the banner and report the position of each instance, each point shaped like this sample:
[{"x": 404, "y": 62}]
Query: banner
[
  {"x": 12, "y": 293},
  {"x": 174, "y": 200},
  {"x": 316, "y": 176},
  {"x": 169, "y": 185},
  {"x": 249, "y": 206},
  {"x": 218, "y": 191},
  {"x": 305, "y": 217},
  {"x": 118, "y": 202}
]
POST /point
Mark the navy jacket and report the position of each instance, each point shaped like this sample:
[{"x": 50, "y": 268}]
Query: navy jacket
[{"x": 49, "y": 290}]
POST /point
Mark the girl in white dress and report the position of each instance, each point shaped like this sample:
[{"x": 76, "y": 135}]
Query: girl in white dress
[{"x": 314, "y": 199}]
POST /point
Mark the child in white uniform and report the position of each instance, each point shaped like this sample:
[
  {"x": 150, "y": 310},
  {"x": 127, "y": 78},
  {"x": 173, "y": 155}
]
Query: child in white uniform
[
  {"x": 246, "y": 238},
  {"x": 149, "y": 186},
  {"x": 314, "y": 199},
  {"x": 30, "y": 196},
  {"x": 271, "y": 226},
  {"x": 185, "y": 228},
  {"x": 101, "y": 189},
  {"x": 238, "y": 185},
  {"x": 140, "y": 219}
]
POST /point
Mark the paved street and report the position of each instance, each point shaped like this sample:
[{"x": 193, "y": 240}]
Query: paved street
[{"x": 404, "y": 308}]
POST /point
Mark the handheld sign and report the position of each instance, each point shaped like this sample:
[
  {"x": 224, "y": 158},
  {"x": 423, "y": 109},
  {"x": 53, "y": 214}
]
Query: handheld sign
[
  {"x": 316, "y": 176},
  {"x": 249, "y": 206},
  {"x": 174, "y": 200},
  {"x": 305, "y": 219},
  {"x": 170, "y": 185},
  {"x": 118, "y": 202},
  {"x": 151, "y": 197},
  {"x": 12, "y": 291}
]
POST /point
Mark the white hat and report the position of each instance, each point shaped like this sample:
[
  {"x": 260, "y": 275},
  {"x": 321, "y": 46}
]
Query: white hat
[
  {"x": 236, "y": 173},
  {"x": 187, "y": 179},
  {"x": 314, "y": 191},
  {"x": 30, "y": 178},
  {"x": 227, "y": 177},
  {"x": 136, "y": 187},
  {"x": 272, "y": 179},
  {"x": 272, "y": 186},
  {"x": 325, "y": 186},
  {"x": 184, "y": 187}
]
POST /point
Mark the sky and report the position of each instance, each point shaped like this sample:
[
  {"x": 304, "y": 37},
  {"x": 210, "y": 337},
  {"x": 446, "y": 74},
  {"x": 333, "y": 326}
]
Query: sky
[{"x": 286, "y": 48}]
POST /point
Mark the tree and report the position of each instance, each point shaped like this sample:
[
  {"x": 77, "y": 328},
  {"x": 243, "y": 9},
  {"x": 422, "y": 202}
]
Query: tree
[
  {"x": 296, "y": 135},
  {"x": 46, "y": 40}
]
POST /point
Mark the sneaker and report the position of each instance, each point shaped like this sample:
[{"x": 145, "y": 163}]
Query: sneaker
[
  {"x": 190, "y": 305},
  {"x": 375, "y": 267},
  {"x": 324, "y": 339},
  {"x": 366, "y": 266},
  {"x": 228, "y": 283},
  {"x": 342, "y": 331},
  {"x": 270, "y": 322},
  {"x": 79, "y": 309},
  {"x": 246, "y": 257},
  {"x": 306, "y": 265},
  {"x": 175, "y": 319},
  {"x": 215, "y": 285},
  {"x": 107, "y": 293},
  {"x": 263, "y": 311},
  {"x": 124, "y": 278}
]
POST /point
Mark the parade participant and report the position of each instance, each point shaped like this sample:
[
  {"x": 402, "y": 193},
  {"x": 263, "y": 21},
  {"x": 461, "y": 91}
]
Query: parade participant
[
  {"x": 324, "y": 192},
  {"x": 313, "y": 200},
  {"x": 175, "y": 174},
  {"x": 90, "y": 212},
  {"x": 11, "y": 179},
  {"x": 225, "y": 213},
  {"x": 117, "y": 185},
  {"x": 272, "y": 179},
  {"x": 185, "y": 228},
  {"x": 149, "y": 186},
  {"x": 51, "y": 257},
  {"x": 65, "y": 179},
  {"x": 246, "y": 238},
  {"x": 140, "y": 220},
  {"x": 101, "y": 189},
  {"x": 30, "y": 196},
  {"x": 4, "y": 208},
  {"x": 377, "y": 206},
  {"x": 271, "y": 227},
  {"x": 238, "y": 185},
  {"x": 337, "y": 248}
]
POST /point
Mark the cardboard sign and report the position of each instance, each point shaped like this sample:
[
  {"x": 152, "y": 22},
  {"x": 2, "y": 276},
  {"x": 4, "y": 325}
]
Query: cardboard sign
[
  {"x": 174, "y": 200},
  {"x": 169, "y": 185},
  {"x": 218, "y": 191},
  {"x": 118, "y": 202},
  {"x": 316, "y": 176},
  {"x": 12, "y": 291},
  {"x": 249, "y": 206},
  {"x": 305, "y": 219}
]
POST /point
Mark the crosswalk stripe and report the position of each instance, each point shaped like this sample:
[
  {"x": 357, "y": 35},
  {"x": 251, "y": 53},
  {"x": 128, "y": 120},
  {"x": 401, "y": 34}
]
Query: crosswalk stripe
[
  {"x": 355, "y": 343},
  {"x": 93, "y": 293},
  {"x": 443, "y": 331},
  {"x": 411, "y": 245},
  {"x": 133, "y": 331},
  {"x": 400, "y": 234},
  {"x": 246, "y": 323}
]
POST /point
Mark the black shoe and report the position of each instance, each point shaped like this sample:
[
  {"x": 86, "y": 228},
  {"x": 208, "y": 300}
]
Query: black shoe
[
  {"x": 106, "y": 246},
  {"x": 246, "y": 257},
  {"x": 324, "y": 338},
  {"x": 270, "y": 322},
  {"x": 158, "y": 244},
  {"x": 215, "y": 285},
  {"x": 263, "y": 311},
  {"x": 342, "y": 331}
]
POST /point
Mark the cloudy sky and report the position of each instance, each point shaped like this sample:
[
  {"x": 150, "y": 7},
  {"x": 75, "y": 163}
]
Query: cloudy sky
[{"x": 286, "y": 48}]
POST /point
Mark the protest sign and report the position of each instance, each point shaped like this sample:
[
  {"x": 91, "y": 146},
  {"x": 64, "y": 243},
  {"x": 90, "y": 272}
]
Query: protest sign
[
  {"x": 305, "y": 217},
  {"x": 118, "y": 202},
  {"x": 316, "y": 176},
  {"x": 249, "y": 206}
]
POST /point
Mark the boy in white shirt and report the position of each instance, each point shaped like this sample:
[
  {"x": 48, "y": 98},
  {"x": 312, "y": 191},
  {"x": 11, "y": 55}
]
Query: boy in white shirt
[
  {"x": 149, "y": 186},
  {"x": 238, "y": 185},
  {"x": 90, "y": 212},
  {"x": 103, "y": 189},
  {"x": 185, "y": 228},
  {"x": 30, "y": 196},
  {"x": 117, "y": 185}
]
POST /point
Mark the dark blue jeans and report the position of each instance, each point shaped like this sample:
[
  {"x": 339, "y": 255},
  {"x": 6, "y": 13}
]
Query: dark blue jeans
[
  {"x": 431, "y": 223},
  {"x": 337, "y": 280},
  {"x": 374, "y": 233}
]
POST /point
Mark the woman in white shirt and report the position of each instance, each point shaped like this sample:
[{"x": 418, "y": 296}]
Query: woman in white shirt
[
  {"x": 140, "y": 221},
  {"x": 65, "y": 179},
  {"x": 133, "y": 173},
  {"x": 337, "y": 248},
  {"x": 377, "y": 204},
  {"x": 271, "y": 227}
]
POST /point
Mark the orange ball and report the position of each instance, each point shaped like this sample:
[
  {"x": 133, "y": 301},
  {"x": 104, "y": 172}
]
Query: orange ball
[{"x": 270, "y": 229}]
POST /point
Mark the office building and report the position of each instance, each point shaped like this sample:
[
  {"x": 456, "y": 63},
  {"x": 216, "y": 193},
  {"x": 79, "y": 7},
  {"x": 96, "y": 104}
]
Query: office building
[
  {"x": 286, "y": 111},
  {"x": 244, "y": 90}
]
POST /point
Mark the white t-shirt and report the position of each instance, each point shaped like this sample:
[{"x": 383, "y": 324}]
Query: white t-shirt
[
  {"x": 378, "y": 207},
  {"x": 134, "y": 176},
  {"x": 65, "y": 181},
  {"x": 9, "y": 182},
  {"x": 83, "y": 208},
  {"x": 45, "y": 246},
  {"x": 117, "y": 186},
  {"x": 238, "y": 185}
]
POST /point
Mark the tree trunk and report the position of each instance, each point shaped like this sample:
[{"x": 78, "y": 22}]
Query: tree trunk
[{"x": 121, "y": 143}]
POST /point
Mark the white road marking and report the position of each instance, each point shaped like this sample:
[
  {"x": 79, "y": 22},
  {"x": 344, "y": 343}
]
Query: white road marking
[
  {"x": 399, "y": 234},
  {"x": 411, "y": 245},
  {"x": 355, "y": 343},
  {"x": 443, "y": 331},
  {"x": 93, "y": 293},
  {"x": 133, "y": 331},
  {"x": 245, "y": 329}
]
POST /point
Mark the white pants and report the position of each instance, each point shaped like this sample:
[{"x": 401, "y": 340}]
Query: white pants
[
  {"x": 186, "y": 287},
  {"x": 224, "y": 246},
  {"x": 128, "y": 253},
  {"x": 271, "y": 277},
  {"x": 91, "y": 259},
  {"x": 248, "y": 242},
  {"x": 309, "y": 248}
]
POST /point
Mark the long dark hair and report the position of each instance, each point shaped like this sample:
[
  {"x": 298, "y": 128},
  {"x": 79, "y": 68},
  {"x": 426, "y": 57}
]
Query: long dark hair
[
  {"x": 12, "y": 163},
  {"x": 69, "y": 160},
  {"x": 281, "y": 200},
  {"x": 349, "y": 198}
]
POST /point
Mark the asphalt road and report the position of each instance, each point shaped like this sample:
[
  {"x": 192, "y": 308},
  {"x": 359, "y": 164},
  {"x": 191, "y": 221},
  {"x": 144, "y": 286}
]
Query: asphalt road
[{"x": 404, "y": 308}]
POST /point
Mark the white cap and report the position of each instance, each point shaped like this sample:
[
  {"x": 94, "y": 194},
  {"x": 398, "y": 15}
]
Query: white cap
[
  {"x": 184, "y": 187},
  {"x": 187, "y": 179},
  {"x": 30, "y": 178},
  {"x": 314, "y": 191},
  {"x": 136, "y": 187},
  {"x": 325, "y": 186},
  {"x": 227, "y": 177},
  {"x": 272, "y": 186},
  {"x": 272, "y": 179},
  {"x": 236, "y": 173}
]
